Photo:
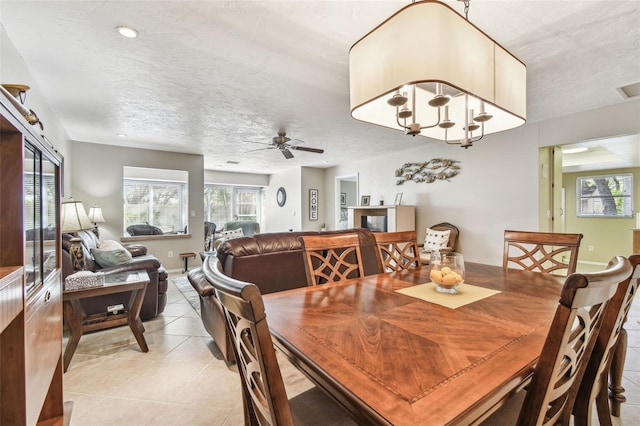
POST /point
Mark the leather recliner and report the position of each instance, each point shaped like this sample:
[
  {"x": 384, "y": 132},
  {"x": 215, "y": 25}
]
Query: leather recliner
[
  {"x": 155, "y": 298},
  {"x": 143, "y": 229}
]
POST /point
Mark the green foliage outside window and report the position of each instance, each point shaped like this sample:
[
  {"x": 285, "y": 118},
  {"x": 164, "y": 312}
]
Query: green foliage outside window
[{"x": 605, "y": 196}]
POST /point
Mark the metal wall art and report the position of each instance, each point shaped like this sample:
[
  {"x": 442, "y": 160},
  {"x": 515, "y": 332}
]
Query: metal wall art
[{"x": 429, "y": 171}]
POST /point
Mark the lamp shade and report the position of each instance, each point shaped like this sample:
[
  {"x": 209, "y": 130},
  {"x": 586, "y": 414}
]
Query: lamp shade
[
  {"x": 95, "y": 215},
  {"x": 429, "y": 56},
  {"x": 74, "y": 217}
]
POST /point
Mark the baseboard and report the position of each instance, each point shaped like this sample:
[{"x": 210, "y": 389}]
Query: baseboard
[{"x": 588, "y": 262}]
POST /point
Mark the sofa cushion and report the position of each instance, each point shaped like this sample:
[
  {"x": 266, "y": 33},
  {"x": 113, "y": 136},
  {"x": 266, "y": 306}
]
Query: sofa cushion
[
  {"x": 136, "y": 249},
  {"x": 111, "y": 253}
]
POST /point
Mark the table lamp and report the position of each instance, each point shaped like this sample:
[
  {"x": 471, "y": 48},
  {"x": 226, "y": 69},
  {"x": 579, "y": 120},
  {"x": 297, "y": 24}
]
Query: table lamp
[
  {"x": 74, "y": 218},
  {"x": 95, "y": 216}
]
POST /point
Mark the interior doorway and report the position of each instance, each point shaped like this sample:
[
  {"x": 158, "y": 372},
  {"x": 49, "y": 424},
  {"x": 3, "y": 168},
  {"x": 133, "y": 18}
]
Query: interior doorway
[
  {"x": 559, "y": 169},
  {"x": 346, "y": 195}
]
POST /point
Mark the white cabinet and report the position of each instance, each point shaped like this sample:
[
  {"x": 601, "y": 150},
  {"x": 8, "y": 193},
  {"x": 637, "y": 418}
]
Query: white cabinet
[{"x": 383, "y": 218}]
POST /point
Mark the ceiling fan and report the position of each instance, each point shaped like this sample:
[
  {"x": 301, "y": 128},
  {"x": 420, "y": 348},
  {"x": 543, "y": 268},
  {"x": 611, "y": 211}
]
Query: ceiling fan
[{"x": 281, "y": 142}]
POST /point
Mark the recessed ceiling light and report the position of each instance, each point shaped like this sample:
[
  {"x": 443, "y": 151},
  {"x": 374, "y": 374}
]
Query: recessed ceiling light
[
  {"x": 630, "y": 91},
  {"x": 127, "y": 32},
  {"x": 121, "y": 135},
  {"x": 575, "y": 150}
]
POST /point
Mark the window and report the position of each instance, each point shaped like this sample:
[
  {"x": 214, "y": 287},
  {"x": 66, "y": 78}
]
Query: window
[
  {"x": 605, "y": 196},
  {"x": 156, "y": 197},
  {"x": 223, "y": 203}
]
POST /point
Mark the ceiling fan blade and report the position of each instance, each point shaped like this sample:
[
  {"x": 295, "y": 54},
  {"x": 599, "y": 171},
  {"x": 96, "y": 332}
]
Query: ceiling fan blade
[
  {"x": 287, "y": 154},
  {"x": 260, "y": 149},
  {"x": 304, "y": 148},
  {"x": 261, "y": 143}
]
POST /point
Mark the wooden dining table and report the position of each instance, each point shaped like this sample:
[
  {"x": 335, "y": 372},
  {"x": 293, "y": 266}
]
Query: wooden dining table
[{"x": 389, "y": 358}]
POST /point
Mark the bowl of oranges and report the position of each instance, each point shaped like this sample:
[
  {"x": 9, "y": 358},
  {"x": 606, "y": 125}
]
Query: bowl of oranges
[{"x": 447, "y": 271}]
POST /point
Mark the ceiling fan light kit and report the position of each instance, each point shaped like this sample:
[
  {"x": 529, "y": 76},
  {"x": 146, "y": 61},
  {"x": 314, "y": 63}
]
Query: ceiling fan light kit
[{"x": 444, "y": 79}]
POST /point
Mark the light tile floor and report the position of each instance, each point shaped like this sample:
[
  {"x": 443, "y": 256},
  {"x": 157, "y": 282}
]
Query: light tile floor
[{"x": 183, "y": 380}]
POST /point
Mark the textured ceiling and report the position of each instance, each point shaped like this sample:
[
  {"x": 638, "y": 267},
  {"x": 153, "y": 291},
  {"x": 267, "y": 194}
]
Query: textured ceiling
[{"x": 211, "y": 77}]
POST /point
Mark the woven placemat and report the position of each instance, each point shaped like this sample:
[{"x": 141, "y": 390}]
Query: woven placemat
[{"x": 466, "y": 294}]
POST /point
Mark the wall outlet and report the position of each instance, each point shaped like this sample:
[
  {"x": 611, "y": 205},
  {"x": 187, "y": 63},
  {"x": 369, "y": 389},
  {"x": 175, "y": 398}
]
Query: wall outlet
[
  {"x": 170, "y": 254},
  {"x": 590, "y": 248}
]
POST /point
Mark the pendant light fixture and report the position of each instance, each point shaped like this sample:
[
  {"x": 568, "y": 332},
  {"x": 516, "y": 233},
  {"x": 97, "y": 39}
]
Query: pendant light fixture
[{"x": 428, "y": 71}]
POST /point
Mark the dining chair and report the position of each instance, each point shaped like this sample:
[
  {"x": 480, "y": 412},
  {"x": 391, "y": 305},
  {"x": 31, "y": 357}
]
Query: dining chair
[
  {"x": 431, "y": 237},
  {"x": 453, "y": 236},
  {"x": 548, "y": 252},
  {"x": 209, "y": 235},
  {"x": 264, "y": 395},
  {"x": 330, "y": 258},
  {"x": 397, "y": 250},
  {"x": 593, "y": 388},
  {"x": 550, "y": 397}
]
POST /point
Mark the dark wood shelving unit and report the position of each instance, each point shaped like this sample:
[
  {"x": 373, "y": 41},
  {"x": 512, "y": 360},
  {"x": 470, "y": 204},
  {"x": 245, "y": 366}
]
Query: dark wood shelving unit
[{"x": 30, "y": 276}]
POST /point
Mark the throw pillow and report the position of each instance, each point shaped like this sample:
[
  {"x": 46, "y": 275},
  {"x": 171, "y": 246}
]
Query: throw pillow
[
  {"x": 227, "y": 235},
  {"x": 111, "y": 253},
  {"x": 234, "y": 233},
  {"x": 435, "y": 240}
]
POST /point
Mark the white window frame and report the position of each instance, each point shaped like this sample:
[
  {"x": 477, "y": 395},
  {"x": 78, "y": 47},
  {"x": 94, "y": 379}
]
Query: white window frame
[
  {"x": 183, "y": 203},
  {"x": 236, "y": 190},
  {"x": 593, "y": 205}
]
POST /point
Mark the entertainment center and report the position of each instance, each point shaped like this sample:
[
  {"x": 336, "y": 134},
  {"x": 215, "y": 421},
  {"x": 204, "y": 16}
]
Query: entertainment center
[{"x": 383, "y": 218}]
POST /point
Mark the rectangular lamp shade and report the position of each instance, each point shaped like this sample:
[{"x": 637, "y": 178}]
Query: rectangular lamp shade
[
  {"x": 426, "y": 43},
  {"x": 74, "y": 217}
]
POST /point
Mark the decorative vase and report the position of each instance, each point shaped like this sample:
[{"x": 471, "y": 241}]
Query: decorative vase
[{"x": 447, "y": 271}]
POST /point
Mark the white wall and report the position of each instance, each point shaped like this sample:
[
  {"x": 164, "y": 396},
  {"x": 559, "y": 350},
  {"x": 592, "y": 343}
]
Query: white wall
[
  {"x": 13, "y": 70},
  {"x": 497, "y": 188},
  {"x": 231, "y": 178},
  {"x": 313, "y": 178},
  {"x": 289, "y": 216}
]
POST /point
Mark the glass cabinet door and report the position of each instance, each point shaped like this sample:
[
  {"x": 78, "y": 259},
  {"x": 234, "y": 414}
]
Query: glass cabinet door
[
  {"x": 49, "y": 201},
  {"x": 40, "y": 222},
  {"x": 32, "y": 218}
]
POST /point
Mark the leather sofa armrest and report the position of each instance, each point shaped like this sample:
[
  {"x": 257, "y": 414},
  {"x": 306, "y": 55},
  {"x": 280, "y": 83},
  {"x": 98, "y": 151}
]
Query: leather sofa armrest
[
  {"x": 146, "y": 262},
  {"x": 199, "y": 282},
  {"x": 136, "y": 249}
]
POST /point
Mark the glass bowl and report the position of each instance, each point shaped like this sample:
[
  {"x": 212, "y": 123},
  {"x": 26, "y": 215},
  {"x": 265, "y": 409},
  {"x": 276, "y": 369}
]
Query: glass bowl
[{"x": 447, "y": 271}]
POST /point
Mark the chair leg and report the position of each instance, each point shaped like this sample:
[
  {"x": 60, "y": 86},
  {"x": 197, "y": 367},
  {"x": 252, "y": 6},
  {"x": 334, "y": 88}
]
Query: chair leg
[
  {"x": 616, "y": 391},
  {"x": 602, "y": 404}
]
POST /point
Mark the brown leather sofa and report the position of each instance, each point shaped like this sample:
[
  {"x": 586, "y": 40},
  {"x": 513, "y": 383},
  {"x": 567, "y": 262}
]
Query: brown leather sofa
[
  {"x": 155, "y": 297},
  {"x": 272, "y": 261}
]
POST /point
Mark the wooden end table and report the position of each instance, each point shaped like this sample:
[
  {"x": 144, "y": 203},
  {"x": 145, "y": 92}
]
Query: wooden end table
[
  {"x": 79, "y": 322},
  {"x": 186, "y": 257}
]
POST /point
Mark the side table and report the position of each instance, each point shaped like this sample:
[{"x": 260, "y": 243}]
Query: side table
[
  {"x": 186, "y": 257},
  {"x": 79, "y": 322}
]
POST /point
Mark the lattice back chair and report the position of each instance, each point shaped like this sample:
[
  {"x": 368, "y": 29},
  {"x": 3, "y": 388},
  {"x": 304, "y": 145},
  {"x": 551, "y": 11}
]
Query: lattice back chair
[
  {"x": 453, "y": 236},
  {"x": 264, "y": 395},
  {"x": 573, "y": 333},
  {"x": 330, "y": 258},
  {"x": 611, "y": 338},
  {"x": 547, "y": 252},
  {"x": 397, "y": 251}
]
